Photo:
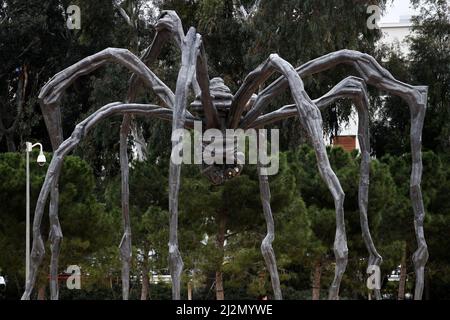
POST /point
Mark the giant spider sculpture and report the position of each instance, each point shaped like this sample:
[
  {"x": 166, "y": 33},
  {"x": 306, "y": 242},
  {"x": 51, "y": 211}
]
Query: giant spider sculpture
[{"x": 219, "y": 109}]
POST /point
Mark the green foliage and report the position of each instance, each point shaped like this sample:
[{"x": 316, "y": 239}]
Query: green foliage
[
  {"x": 428, "y": 63},
  {"x": 87, "y": 227},
  {"x": 35, "y": 44}
]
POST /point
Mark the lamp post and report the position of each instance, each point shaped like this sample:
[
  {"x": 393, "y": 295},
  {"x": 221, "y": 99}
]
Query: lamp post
[{"x": 41, "y": 161}]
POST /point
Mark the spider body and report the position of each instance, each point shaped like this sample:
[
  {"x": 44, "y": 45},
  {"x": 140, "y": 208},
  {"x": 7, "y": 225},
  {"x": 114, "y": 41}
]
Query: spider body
[
  {"x": 230, "y": 165},
  {"x": 222, "y": 98}
]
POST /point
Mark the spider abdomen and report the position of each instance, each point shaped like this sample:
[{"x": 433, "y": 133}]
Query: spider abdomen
[{"x": 222, "y": 99}]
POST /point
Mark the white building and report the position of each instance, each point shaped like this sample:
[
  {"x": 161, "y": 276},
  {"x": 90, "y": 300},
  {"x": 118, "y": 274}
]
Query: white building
[{"x": 395, "y": 31}]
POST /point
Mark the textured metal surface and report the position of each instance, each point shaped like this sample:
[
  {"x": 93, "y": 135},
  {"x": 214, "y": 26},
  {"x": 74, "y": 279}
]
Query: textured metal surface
[
  {"x": 355, "y": 89},
  {"x": 266, "y": 245},
  {"x": 219, "y": 109},
  {"x": 54, "y": 171}
]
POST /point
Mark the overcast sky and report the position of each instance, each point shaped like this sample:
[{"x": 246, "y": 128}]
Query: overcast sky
[{"x": 397, "y": 8}]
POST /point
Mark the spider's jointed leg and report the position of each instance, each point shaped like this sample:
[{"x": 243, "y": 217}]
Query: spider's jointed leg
[
  {"x": 54, "y": 170},
  {"x": 168, "y": 26},
  {"x": 212, "y": 103},
  {"x": 125, "y": 243},
  {"x": 266, "y": 245},
  {"x": 311, "y": 120},
  {"x": 420, "y": 256},
  {"x": 355, "y": 89},
  {"x": 50, "y": 97},
  {"x": 55, "y": 237},
  {"x": 373, "y": 74},
  {"x": 51, "y": 94},
  {"x": 185, "y": 76}
]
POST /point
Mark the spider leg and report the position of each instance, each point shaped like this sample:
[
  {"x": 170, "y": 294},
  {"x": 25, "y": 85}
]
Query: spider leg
[
  {"x": 168, "y": 25},
  {"x": 185, "y": 76},
  {"x": 55, "y": 237},
  {"x": 373, "y": 74},
  {"x": 50, "y": 97},
  {"x": 193, "y": 63},
  {"x": 355, "y": 89},
  {"x": 54, "y": 170},
  {"x": 125, "y": 243},
  {"x": 51, "y": 94},
  {"x": 311, "y": 120},
  {"x": 266, "y": 245},
  {"x": 211, "y": 115}
]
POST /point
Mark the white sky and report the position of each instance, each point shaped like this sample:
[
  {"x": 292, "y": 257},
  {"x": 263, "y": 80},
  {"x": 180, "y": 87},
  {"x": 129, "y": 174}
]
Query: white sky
[
  {"x": 397, "y": 8},
  {"x": 394, "y": 9}
]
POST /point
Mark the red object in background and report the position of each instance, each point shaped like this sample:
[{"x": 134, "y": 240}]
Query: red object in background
[{"x": 348, "y": 143}]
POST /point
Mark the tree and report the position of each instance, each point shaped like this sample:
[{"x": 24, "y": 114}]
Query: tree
[
  {"x": 430, "y": 64},
  {"x": 397, "y": 237},
  {"x": 383, "y": 199},
  {"x": 86, "y": 226},
  {"x": 303, "y": 30},
  {"x": 29, "y": 31},
  {"x": 150, "y": 219},
  {"x": 390, "y": 127}
]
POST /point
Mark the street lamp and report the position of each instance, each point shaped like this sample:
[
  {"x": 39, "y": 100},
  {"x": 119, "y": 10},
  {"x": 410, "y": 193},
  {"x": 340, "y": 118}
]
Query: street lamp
[{"x": 41, "y": 161}]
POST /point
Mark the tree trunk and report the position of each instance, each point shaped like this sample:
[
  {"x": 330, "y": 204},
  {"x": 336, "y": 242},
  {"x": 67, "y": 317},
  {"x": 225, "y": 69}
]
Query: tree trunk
[
  {"x": 111, "y": 284},
  {"x": 140, "y": 145},
  {"x": 10, "y": 143},
  {"x": 41, "y": 293},
  {"x": 220, "y": 295},
  {"x": 190, "y": 290},
  {"x": 402, "y": 283},
  {"x": 222, "y": 220},
  {"x": 145, "y": 278},
  {"x": 427, "y": 288},
  {"x": 317, "y": 274},
  {"x": 10, "y": 132}
]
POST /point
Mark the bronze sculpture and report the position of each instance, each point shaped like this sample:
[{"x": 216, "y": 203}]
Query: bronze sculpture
[{"x": 234, "y": 113}]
